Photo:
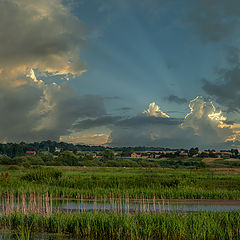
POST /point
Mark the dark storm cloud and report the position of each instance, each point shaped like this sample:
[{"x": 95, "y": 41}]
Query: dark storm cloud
[
  {"x": 176, "y": 99},
  {"x": 41, "y": 35},
  {"x": 214, "y": 20},
  {"x": 225, "y": 89},
  {"x": 38, "y": 112},
  {"x": 139, "y": 121},
  {"x": 98, "y": 122}
]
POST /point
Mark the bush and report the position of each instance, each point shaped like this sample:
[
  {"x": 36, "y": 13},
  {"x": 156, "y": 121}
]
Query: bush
[
  {"x": 68, "y": 158},
  {"x": 42, "y": 175},
  {"x": 5, "y": 160},
  {"x": 13, "y": 168}
]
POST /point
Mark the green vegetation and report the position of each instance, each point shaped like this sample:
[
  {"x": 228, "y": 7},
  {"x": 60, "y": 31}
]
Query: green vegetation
[
  {"x": 135, "y": 182},
  {"x": 99, "y": 225}
]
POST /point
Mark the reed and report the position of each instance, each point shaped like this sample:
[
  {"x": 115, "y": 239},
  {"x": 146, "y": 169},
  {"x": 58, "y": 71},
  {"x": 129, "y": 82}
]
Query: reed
[
  {"x": 102, "y": 225},
  {"x": 43, "y": 204}
]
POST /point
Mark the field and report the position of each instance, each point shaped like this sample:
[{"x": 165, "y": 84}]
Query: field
[
  {"x": 77, "y": 182},
  {"x": 127, "y": 184}
]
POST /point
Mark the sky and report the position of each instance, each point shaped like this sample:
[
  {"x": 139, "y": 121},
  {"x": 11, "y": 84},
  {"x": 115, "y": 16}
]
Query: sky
[{"x": 121, "y": 72}]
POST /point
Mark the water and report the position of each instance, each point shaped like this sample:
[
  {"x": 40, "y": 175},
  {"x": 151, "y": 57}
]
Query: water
[
  {"x": 120, "y": 205},
  {"x": 116, "y": 205},
  {"x": 167, "y": 205}
]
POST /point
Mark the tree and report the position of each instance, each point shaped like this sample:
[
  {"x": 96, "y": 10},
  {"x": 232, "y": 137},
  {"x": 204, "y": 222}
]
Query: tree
[
  {"x": 68, "y": 158},
  {"x": 193, "y": 151},
  {"x": 108, "y": 154}
]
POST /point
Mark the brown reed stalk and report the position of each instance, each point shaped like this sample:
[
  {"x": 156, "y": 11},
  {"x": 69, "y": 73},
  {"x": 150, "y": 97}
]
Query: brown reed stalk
[
  {"x": 104, "y": 203},
  {"x": 34, "y": 202},
  {"x": 154, "y": 203},
  {"x": 46, "y": 204},
  {"x": 159, "y": 206},
  {"x": 51, "y": 208},
  {"x": 18, "y": 204},
  {"x": 23, "y": 203}
]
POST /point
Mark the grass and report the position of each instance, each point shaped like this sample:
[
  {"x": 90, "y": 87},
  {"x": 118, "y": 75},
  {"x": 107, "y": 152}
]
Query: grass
[
  {"x": 99, "y": 225},
  {"x": 117, "y": 182}
]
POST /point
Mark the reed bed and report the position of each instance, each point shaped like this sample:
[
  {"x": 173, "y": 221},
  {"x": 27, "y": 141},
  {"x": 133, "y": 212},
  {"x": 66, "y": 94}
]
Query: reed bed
[
  {"x": 102, "y": 225},
  {"x": 44, "y": 204}
]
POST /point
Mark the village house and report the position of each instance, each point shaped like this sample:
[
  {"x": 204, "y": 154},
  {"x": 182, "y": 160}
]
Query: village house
[
  {"x": 183, "y": 154},
  {"x": 31, "y": 152},
  {"x": 135, "y": 155}
]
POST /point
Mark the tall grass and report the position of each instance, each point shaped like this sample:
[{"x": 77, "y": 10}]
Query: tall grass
[
  {"x": 100, "y": 225},
  {"x": 179, "y": 184}
]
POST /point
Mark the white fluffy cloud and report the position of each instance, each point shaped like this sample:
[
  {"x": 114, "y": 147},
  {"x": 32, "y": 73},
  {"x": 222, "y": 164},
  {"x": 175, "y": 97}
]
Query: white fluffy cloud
[
  {"x": 203, "y": 127},
  {"x": 155, "y": 111}
]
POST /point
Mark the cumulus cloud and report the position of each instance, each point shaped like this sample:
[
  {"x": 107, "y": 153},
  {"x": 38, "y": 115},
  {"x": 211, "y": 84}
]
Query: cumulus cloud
[
  {"x": 155, "y": 111},
  {"x": 41, "y": 35},
  {"x": 37, "y": 111},
  {"x": 204, "y": 126},
  {"x": 176, "y": 99}
]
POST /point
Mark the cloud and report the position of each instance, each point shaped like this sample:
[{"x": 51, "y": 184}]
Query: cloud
[
  {"x": 37, "y": 111},
  {"x": 155, "y": 111},
  {"x": 216, "y": 20},
  {"x": 88, "y": 139},
  {"x": 41, "y": 35},
  {"x": 97, "y": 122},
  {"x": 202, "y": 127},
  {"x": 225, "y": 89},
  {"x": 176, "y": 99}
]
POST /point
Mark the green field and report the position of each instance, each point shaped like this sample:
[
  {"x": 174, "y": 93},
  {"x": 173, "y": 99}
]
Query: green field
[{"x": 76, "y": 182}]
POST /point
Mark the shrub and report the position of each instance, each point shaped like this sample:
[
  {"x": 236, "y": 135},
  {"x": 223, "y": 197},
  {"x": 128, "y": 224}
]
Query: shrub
[
  {"x": 42, "y": 174},
  {"x": 5, "y": 160},
  {"x": 13, "y": 168}
]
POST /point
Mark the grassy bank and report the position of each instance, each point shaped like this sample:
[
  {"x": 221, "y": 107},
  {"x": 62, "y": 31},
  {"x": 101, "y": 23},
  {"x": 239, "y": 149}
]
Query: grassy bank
[
  {"x": 119, "y": 182},
  {"x": 200, "y": 225}
]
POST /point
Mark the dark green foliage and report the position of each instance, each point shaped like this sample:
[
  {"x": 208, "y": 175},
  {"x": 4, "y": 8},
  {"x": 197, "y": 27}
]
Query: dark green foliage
[
  {"x": 108, "y": 154},
  {"x": 68, "y": 159},
  {"x": 5, "y": 160},
  {"x": 42, "y": 175},
  {"x": 201, "y": 165}
]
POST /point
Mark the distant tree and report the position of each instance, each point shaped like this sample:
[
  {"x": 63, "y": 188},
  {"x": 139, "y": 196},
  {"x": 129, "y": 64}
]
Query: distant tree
[
  {"x": 68, "y": 158},
  {"x": 234, "y": 152},
  {"x": 108, "y": 154},
  {"x": 193, "y": 151},
  {"x": 201, "y": 165},
  {"x": 88, "y": 157},
  {"x": 5, "y": 160},
  {"x": 127, "y": 152}
]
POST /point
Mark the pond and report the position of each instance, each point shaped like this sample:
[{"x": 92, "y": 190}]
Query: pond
[{"x": 50, "y": 205}]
